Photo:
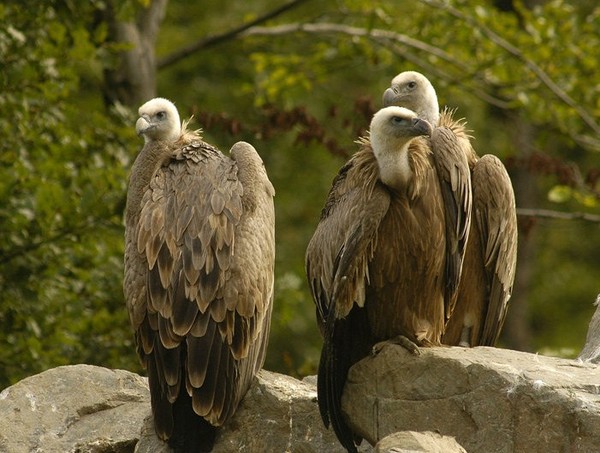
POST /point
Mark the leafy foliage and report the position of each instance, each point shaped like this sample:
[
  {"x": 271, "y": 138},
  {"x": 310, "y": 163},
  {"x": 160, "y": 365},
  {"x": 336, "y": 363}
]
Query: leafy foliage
[
  {"x": 302, "y": 89},
  {"x": 63, "y": 171}
]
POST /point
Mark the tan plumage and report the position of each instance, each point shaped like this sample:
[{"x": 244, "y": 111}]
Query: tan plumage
[
  {"x": 376, "y": 261},
  {"x": 199, "y": 261},
  {"x": 491, "y": 252}
]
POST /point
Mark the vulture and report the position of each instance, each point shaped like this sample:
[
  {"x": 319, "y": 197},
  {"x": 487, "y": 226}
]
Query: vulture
[
  {"x": 198, "y": 284},
  {"x": 376, "y": 263},
  {"x": 491, "y": 251}
]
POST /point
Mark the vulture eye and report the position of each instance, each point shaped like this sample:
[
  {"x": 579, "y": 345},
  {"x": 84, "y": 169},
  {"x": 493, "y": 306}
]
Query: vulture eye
[
  {"x": 412, "y": 85},
  {"x": 400, "y": 120},
  {"x": 161, "y": 115}
]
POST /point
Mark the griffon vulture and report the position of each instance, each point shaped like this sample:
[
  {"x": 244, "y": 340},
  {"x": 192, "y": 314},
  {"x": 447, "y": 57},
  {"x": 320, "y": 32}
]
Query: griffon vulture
[
  {"x": 376, "y": 262},
  {"x": 199, "y": 261},
  {"x": 491, "y": 252}
]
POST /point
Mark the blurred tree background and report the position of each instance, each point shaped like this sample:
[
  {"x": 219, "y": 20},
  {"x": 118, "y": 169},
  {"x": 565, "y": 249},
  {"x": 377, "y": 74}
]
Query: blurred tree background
[{"x": 300, "y": 80}]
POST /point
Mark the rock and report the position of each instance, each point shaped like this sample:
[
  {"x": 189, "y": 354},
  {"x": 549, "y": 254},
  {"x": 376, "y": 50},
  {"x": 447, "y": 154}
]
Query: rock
[
  {"x": 413, "y": 442},
  {"x": 89, "y": 409},
  {"x": 490, "y": 400},
  {"x": 278, "y": 414},
  {"x": 79, "y": 409},
  {"x": 591, "y": 349}
]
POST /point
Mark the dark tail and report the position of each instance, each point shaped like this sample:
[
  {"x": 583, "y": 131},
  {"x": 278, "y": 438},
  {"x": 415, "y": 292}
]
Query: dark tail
[
  {"x": 346, "y": 341},
  {"x": 191, "y": 433}
]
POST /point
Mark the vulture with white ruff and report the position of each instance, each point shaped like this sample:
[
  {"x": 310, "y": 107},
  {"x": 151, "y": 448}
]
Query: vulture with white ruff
[
  {"x": 491, "y": 252},
  {"x": 199, "y": 262},
  {"x": 376, "y": 264}
]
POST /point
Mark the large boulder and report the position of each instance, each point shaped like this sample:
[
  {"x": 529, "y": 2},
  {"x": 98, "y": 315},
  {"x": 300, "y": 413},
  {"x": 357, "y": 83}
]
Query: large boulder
[
  {"x": 415, "y": 442},
  {"x": 490, "y": 400},
  {"x": 79, "y": 408},
  {"x": 89, "y": 409},
  {"x": 485, "y": 399},
  {"x": 278, "y": 414}
]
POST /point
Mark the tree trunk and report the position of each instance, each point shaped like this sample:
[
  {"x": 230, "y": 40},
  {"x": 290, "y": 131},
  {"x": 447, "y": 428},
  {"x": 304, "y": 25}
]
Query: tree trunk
[{"x": 133, "y": 81}]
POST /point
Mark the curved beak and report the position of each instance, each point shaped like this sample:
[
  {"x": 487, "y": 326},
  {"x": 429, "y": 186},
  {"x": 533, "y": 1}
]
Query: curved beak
[
  {"x": 422, "y": 127},
  {"x": 142, "y": 125},
  {"x": 390, "y": 97}
]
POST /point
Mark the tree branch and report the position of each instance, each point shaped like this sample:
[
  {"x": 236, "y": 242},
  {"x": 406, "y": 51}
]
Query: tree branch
[
  {"x": 393, "y": 40},
  {"x": 389, "y": 40},
  {"x": 549, "y": 214},
  {"x": 373, "y": 33},
  {"x": 209, "y": 41},
  {"x": 515, "y": 52}
]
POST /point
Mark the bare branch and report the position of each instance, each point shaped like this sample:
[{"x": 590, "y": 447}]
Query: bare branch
[
  {"x": 209, "y": 41},
  {"x": 372, "y": 33},
  {"x": 549, "y": 214}
]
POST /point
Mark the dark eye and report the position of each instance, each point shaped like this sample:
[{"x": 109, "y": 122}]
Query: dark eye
[
  {"x": 399, "y": 120},
  {"x": 161, "y": 115},
  {"x": 412, "y": 85}
]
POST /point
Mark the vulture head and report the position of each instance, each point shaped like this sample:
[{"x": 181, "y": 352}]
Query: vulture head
[
  {"x": 391, "y": 131},
  {"x": 159, "y": 120},
  {"x": 414, "y": 91}
]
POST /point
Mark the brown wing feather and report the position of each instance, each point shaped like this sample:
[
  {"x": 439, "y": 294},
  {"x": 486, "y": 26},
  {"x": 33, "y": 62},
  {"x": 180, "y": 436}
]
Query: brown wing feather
[
  {"x": 350, "y": 270},
  {"x": 495, "y": 213},
  {"x": 340, "y": 229},
  {"x": 455, "y": 183},
  {"x": 337, "y": 269},
  {"x": 201, "y": 263},
  {"x": 490, "y": 261}
]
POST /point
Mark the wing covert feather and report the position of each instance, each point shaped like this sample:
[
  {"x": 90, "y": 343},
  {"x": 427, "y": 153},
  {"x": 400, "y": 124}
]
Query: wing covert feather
[
  {"x": 338, "y": 263},
  {"x": 203, "y": 271}
]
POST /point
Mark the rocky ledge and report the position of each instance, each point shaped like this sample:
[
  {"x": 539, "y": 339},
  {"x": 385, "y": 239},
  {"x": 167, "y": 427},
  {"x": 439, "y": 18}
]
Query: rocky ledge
[{"x": 445, "y": 400}]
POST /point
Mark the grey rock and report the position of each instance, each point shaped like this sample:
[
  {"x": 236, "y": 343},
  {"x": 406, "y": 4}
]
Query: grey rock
[
  {"x": 77, "y": 409},
  {"x": 591, "y": 349},
  {"x": 414, "y": 442},
  {"x": 89, "y": 409},
  {"x": 490, "y": 400},
  {"x": 278, "y": 414}
]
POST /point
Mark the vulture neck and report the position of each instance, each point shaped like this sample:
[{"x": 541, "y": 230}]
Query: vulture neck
[
  {"x": 153, "y": 155},
  {"x": 427, "y": 107},
  {"x": 394, "y": 164}
]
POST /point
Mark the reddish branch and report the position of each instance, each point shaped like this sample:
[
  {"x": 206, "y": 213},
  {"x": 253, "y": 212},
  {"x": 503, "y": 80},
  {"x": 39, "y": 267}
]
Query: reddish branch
[
  {"x": 308, "y": 128},
  {"x": 567, "y": 173}
]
